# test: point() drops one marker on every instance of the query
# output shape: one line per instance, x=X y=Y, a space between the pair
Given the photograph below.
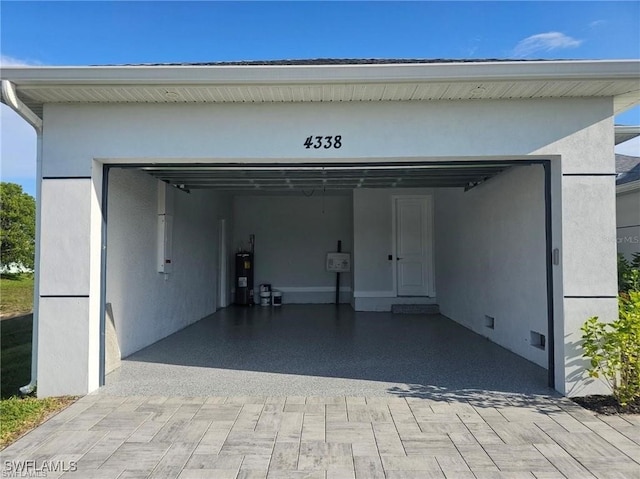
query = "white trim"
x=311 y=289
x=628 y=187
x=374 y=294
x=309 y=74
x=222 y=264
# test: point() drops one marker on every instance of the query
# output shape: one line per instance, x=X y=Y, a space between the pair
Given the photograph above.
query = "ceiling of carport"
x=279 y=177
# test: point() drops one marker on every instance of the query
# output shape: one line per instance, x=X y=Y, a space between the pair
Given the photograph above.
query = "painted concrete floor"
x=486 y=436
x=321 y=350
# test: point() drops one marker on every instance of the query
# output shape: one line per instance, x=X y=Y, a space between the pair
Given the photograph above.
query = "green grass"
x=19 y=415
x=16 y=294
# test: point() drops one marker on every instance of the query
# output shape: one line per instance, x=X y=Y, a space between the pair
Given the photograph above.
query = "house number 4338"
x=325 y=142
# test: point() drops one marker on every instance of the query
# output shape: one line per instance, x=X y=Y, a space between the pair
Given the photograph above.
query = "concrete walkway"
x=454 y=435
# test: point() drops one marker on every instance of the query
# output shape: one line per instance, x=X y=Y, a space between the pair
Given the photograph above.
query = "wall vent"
x=489 y=322
x=538 y=340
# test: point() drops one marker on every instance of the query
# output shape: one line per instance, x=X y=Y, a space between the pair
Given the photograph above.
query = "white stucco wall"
x=148 y=305
x=293 y=236
x=577 y=134
x=581 y=128
x=628 y=222
x=491 y=258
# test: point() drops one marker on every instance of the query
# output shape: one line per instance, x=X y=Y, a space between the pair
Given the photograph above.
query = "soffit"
x=35 y=96
x=328 y=83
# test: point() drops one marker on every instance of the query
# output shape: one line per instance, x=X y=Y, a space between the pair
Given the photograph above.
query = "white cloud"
x=544 y=42
x=7 y=61
x=597 y=23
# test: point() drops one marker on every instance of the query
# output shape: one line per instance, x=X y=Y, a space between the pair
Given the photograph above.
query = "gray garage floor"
x=322 y=350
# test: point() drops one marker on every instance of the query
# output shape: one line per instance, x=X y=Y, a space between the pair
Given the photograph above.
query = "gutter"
x=605 y=70
x=628 y=187
x=10 y=98
x=625 y=133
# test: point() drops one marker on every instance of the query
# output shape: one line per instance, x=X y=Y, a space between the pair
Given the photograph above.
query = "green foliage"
x=629 y=273
x=17 y=226
x=613 y=349
x=18 y=415
x=16 y=293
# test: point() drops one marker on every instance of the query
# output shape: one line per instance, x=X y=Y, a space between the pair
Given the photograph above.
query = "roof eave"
x=292 y=74
x=625 y=133
x=628 y=187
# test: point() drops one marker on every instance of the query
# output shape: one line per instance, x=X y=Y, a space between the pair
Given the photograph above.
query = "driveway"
x=461 y=436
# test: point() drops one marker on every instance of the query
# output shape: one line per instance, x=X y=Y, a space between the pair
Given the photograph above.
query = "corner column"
x=69 y=285
x=589 y=270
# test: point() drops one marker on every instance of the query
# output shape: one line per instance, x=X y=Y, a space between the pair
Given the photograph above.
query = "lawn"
x=18 y=415
x=16 y=294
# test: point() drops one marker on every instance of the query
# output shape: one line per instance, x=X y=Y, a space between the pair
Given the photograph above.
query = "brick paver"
x=107 y=437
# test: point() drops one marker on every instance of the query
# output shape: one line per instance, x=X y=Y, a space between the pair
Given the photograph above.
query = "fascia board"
x=309 y=74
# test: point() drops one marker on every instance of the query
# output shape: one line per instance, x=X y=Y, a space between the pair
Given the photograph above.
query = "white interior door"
x=413 y=246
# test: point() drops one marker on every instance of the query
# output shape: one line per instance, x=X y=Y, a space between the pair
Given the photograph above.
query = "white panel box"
x=339 y=262
x=165 y=240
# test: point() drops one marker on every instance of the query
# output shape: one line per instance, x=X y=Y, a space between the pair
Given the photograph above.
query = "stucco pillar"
x=589 y=269
x=69 y=289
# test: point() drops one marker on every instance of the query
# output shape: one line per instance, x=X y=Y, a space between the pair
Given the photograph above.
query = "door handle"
x=399 y=259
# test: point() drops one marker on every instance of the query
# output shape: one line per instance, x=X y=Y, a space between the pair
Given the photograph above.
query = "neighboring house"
x=14 y=268
x=486 y=187
x=628 y=204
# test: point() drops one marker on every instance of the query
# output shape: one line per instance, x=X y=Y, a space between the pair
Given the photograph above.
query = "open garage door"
x=486 y=224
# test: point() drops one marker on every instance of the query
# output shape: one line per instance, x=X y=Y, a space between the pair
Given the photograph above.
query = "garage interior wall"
x=293 y=235
x=491 y=259
x=148 y=305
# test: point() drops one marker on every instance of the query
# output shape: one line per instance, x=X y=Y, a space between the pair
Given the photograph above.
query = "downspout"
x=10 y=98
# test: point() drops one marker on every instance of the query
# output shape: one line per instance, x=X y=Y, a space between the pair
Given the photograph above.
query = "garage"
x=410 y=228
x=297 y=213
x=482 y=190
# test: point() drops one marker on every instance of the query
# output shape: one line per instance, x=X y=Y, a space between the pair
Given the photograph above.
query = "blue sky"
x=85 y=33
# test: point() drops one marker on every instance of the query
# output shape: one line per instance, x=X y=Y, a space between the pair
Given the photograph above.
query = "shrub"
x=629 y=273
x=614 y=349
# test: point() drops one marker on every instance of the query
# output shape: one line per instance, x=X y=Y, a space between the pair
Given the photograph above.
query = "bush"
x=614 y=349
x=629 y=273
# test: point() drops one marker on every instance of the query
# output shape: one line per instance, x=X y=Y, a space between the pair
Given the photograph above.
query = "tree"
x=17 y=226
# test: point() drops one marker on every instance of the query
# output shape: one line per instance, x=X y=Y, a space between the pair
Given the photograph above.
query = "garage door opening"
x=469 y=239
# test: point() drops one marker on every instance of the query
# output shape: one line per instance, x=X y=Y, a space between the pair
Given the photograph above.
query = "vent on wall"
x=489 y=322
x=538 y=340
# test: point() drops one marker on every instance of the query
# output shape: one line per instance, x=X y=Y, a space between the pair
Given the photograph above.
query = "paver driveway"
x=463 y=434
